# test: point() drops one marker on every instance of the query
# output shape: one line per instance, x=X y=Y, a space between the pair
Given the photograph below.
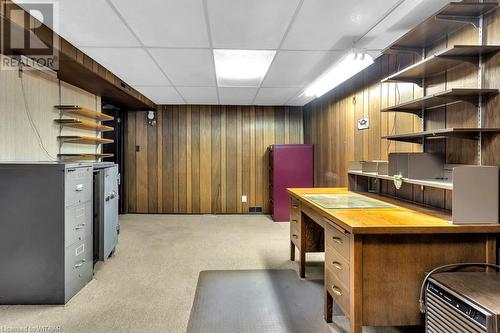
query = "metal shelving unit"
x=451 y=96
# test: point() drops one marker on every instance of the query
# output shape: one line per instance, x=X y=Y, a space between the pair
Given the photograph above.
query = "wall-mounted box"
x=475 y=194
x=417 y=165
x=375 y=166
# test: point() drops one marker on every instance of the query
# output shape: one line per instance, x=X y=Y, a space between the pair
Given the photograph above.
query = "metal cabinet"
x=45 y=231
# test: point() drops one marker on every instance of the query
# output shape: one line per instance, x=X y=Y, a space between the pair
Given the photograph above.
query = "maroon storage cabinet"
x=290 y=166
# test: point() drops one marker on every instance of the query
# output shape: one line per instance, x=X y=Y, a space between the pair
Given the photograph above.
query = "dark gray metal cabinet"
x=45 y=231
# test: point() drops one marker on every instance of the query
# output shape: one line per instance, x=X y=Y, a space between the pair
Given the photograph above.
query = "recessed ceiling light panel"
x=242 y=68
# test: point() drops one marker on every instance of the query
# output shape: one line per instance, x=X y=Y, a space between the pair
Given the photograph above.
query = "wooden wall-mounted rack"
x=424 y=37
x=442 y=61
x=451 y=18
x=83 y=124
x=93 y=123
x=76 y=110
x=86 y=140
x=450 y=96
x=464 y=133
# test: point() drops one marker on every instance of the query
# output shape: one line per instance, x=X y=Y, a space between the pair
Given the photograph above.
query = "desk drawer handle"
x=295 y=236
x=337 y=240
x=80 y=226
x=337 y=291
x=295 y=206
x=294 y=221
x=79 y=188
x=337 y=265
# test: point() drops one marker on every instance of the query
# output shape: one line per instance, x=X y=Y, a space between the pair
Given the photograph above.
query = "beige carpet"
x=149 y=285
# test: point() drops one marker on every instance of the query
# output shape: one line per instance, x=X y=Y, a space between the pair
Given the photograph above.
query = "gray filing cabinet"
x=45 y=231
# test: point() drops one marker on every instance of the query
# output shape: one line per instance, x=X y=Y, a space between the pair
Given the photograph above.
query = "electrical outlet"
x=243 y=198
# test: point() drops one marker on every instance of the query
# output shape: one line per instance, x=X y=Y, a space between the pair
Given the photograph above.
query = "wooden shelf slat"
x=436 y=183
x=82 y=124
x=466 y=133
x=450 y=96
x=441 y=61
x=436 y=28
x=86 y=140
x=84 y=112
x=83 y=156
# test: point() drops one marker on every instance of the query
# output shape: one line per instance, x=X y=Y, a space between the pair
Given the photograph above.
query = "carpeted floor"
x=149 y=285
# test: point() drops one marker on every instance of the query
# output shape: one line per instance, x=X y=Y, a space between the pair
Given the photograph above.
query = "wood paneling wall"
x=330 y=122
x=19 y=140
x=202 y=159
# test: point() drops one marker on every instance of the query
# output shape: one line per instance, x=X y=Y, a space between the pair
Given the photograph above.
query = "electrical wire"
x=30 y=119
x=421 y=300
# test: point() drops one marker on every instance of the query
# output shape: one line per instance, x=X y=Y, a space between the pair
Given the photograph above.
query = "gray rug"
x=257 y=301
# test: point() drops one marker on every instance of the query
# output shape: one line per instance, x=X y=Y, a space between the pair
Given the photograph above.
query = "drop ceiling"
x=164 y=48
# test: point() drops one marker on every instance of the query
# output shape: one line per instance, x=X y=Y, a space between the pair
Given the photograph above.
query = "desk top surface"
x=399 y=218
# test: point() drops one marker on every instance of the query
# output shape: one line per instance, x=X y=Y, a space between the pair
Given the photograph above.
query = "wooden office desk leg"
x=302 y=263
x=491 y=251
x=292 y=251
x=328 y=306
x=356 y=285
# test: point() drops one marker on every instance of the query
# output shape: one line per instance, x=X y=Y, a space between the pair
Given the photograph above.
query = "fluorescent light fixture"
x=242 y=68
x=344 y=69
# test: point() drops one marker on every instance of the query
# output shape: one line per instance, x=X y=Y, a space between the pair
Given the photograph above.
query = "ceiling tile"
x=327 y=24
x=275 y=96
x=161 y=95
x=92 y=23
x=134 y=66
x=167 y=23
x=249 y=24
x=298 y=68
x=187 y=67
x=199 y=95
x=236 y=96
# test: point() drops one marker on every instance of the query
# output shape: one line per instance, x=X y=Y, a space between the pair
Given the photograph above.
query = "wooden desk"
x=376 y=259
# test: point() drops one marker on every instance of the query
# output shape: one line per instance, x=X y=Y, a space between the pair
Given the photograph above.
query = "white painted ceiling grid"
x=164 y=48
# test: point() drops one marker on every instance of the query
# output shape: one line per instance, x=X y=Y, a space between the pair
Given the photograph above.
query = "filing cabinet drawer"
x=78 y=267
x=78 y=223
x=78 y=186
x=339 y=292
x=338 y=240
x=338 y=265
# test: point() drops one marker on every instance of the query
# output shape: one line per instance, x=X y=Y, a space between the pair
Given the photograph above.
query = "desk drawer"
x=338 y=240
x=338 y=265
x=339 y=292
x=294 y=208
x=295 y=233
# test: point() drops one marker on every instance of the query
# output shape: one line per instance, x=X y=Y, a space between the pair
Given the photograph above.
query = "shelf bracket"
x=469 y=59
x=416 y=81
x=407 y=49
x=474 y=100
x=455 y=18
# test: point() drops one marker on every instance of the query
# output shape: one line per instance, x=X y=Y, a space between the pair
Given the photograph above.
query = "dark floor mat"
x=259 y=301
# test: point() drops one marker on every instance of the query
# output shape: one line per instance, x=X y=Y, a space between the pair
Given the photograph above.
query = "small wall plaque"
x=363 y=123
